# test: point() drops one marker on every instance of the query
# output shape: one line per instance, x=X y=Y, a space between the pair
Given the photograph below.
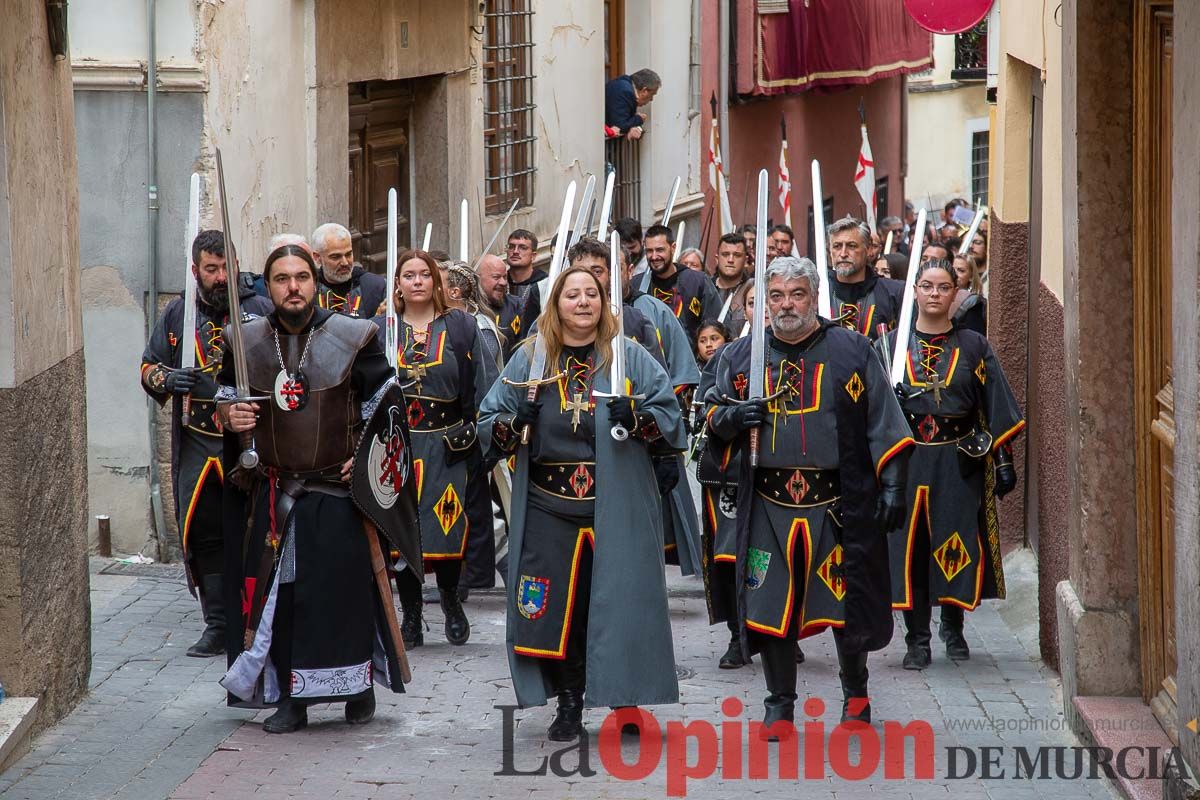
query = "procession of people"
x=338 y=435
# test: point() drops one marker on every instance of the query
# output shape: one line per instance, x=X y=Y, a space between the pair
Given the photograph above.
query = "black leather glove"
x=666 y=472
x=527 y=414
x=181 y=381
x=620 y=410
x=749 y=414
x=1006 y=473
x=889 y=508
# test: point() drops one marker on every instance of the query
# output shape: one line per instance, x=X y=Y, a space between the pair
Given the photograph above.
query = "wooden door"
x=378 y=154
x=614 y=38
x=1154 y=396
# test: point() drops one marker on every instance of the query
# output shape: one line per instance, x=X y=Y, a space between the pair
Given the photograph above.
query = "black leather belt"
x=427 y=414
x=932 y=429
x=575 y=481
x=798 y=487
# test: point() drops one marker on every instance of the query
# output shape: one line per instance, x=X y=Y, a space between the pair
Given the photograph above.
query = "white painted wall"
x=115 y=30
x=940 y=123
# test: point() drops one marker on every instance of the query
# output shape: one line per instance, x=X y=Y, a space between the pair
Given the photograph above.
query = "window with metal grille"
x=979 y=167
x=508 y=139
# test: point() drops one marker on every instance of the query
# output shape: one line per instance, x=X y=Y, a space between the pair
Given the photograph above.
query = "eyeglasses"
x=932 y=288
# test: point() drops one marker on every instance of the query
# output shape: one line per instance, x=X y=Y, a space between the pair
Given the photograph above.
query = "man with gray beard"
x=343 y=286
x=860 y=299
x=828 y=485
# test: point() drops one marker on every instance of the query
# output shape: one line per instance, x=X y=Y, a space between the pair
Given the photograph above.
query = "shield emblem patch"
x=532 y=594
x=757 y=562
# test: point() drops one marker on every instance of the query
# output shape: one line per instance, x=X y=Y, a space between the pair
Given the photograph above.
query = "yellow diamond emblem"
x=830 y=573
x=694 y=306
x=952 y=556
x=981 y=372
x=854 y=387
x=448 y=509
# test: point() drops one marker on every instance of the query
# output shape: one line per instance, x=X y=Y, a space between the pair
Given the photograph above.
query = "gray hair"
x=848 y=224
x=330 y=230
x=790 y=268
x=646 y=79
x=280 y=239
x=695 y=250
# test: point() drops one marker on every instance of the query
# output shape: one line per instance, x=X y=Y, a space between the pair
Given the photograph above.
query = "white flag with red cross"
x=785 y=178
x=864 y=178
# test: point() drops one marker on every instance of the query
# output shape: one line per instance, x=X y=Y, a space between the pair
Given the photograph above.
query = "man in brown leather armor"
x=313 y=623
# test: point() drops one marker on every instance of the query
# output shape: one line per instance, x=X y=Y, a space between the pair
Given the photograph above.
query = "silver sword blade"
x=499 y=228
x=824 y=300
x=606 y=206
x=233 y=329
x=670 y=206
x=904 y=326
x=758 y=323
x=188 y=354
x=390 y=330
x=577 y=231
x=537 y=368
x=980 y=213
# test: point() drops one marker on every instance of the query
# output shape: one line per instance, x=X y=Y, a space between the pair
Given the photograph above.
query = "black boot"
x=292 y=715
x=852 y=669
x=361 y=710
x=778 y=659
x=917 y=636
x=733 y=655
x=951 y=632
x=411 y=628
x=568 y=721
x=212 y=602
x=458 y=629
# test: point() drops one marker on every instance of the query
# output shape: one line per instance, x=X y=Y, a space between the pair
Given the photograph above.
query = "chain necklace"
x=291 y=388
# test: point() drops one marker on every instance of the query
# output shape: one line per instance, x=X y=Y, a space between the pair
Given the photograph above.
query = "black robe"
x=359 y=297
x=847 y=420
x=690 y=295
x=864 y=306
x=196 y=449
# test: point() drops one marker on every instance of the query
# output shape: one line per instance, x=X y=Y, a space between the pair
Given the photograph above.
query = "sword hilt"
x=186 y=414
x=248 y=460
x=620 y=432
x=753 y=448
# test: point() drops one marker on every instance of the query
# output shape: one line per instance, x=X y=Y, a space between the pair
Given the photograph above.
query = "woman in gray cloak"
x=587 y=600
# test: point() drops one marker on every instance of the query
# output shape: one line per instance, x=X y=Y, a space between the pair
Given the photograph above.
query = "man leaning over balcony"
x=622 y=98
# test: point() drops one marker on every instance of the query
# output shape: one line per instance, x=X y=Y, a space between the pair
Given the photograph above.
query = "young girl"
x=709 y=338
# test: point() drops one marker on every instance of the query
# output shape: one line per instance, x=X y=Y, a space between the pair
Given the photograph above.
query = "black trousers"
x=479 y=562
x=447 y=573
x=917 y=619
x=206 y=544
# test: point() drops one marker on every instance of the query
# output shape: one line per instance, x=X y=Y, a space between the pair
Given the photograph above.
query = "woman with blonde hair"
x=586 y=536
x=968 y=309
x=442 y=365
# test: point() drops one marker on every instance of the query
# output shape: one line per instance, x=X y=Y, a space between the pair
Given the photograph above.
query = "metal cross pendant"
x=415 y=373
x=576 y=406
x=935 y=384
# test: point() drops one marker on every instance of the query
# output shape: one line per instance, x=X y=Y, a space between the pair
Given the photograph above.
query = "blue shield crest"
x=531 y=596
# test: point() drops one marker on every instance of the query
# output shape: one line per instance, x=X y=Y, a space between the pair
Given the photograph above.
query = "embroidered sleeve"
x=225 y=394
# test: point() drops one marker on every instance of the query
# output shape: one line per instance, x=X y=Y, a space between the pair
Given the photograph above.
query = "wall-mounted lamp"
x=56 y=18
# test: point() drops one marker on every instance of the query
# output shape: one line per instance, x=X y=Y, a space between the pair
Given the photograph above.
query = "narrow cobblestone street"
x=155 y=725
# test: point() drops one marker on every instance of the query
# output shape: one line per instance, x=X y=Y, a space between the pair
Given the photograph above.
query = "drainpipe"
x=156 y=505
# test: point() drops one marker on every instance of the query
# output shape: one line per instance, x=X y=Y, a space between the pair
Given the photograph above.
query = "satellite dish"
x=947 y=16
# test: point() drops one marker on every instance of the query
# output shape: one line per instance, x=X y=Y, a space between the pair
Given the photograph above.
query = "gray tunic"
x=630 y=659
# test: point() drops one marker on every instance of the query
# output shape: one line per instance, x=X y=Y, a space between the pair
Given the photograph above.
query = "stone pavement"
x=155 y=725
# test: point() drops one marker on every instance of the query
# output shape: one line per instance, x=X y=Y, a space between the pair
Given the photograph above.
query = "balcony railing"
x=625 y=156
x=970 y=54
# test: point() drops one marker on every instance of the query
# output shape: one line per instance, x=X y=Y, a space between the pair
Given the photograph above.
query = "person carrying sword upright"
x=309 y=399
x=196 y=470
x=585 y=570
x=821 y=447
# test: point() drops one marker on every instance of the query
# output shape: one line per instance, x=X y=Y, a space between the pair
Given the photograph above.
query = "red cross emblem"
x=740 y=383
x=293 y=393
x=389 y=467
x=581 y=481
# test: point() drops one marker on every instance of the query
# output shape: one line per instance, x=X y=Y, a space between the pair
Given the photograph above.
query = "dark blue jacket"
x=620 y=104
